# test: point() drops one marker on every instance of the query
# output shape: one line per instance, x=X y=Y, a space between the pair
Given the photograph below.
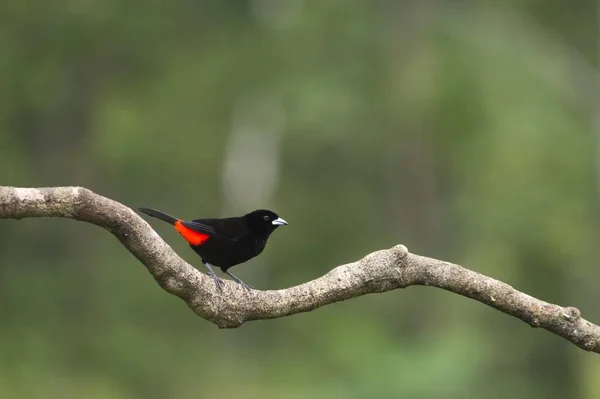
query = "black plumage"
x=225 y=242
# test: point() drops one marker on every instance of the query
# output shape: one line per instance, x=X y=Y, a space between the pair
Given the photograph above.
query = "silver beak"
x=279 y=222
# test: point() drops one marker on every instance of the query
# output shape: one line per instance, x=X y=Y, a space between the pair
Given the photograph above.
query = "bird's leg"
x=237 y=280
x=218 y=281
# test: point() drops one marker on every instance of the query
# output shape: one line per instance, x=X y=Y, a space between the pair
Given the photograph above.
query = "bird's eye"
x=266 y=217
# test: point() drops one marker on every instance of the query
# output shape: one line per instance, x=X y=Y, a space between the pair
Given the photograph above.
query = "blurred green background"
x=467 y=131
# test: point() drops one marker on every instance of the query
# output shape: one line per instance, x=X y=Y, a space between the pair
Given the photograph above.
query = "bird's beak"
x=279 y=222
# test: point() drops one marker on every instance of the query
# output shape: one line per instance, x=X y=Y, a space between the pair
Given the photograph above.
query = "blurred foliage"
x=465 y=130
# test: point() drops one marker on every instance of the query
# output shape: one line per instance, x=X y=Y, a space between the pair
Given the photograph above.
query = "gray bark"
x=379 y=271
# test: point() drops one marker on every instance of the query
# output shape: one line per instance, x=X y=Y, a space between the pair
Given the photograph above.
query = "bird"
x=225 y=242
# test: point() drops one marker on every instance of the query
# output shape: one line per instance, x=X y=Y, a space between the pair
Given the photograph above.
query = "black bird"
x=225 y=242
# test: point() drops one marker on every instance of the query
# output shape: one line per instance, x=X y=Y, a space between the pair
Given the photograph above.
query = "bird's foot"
x=246 y=286
x=218 y=282
x=237 y=280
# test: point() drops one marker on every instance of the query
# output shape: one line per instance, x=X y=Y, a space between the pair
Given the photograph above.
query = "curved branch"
x=377 y=272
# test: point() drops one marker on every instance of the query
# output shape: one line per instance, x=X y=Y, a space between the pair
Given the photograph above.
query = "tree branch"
x=377 y=272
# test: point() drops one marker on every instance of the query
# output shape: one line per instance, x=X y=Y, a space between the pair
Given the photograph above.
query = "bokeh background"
x=468 y=131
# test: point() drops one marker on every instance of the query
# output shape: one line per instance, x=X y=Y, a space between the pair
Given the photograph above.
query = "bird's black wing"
x=200 y=227
x=230 y=229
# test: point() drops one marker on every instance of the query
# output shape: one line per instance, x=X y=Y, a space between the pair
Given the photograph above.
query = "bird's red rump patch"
x=191 y=236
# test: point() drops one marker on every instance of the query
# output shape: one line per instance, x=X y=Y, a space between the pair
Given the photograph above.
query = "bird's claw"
x=218 y=282
x=246 y=286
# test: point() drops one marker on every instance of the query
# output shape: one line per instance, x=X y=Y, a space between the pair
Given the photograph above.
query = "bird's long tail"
x=159 y=215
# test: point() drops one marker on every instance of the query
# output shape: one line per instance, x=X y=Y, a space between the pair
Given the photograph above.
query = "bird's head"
x=264 y=221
